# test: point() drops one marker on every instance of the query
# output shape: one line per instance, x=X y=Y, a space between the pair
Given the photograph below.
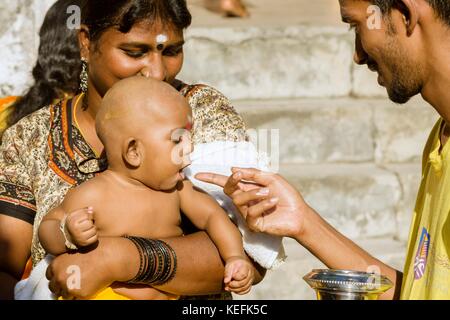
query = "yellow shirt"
x=427 y=269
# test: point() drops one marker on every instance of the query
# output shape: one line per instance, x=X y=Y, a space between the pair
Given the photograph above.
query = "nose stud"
x=144 y=73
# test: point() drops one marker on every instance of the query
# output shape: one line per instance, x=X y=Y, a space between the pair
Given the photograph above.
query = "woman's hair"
x=58 y=67
x=100 y=15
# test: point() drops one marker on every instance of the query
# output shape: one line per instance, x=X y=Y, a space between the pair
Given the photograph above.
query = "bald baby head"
x=135 y=103
x=139 y=111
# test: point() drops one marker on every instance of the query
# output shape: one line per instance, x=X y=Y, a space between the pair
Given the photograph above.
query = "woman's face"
x=152 y=50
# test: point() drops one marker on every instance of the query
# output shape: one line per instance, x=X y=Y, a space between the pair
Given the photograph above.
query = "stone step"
x=344 y=130
x=362 y=201
x=286 y=283
x=291 y=49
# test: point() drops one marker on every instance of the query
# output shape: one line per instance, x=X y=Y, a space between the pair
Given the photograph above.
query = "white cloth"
x=36 y=286
x=219 y=157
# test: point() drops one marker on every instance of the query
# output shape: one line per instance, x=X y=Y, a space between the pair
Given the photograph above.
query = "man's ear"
x=132 y=152
x=84 y=41
x=409 y=10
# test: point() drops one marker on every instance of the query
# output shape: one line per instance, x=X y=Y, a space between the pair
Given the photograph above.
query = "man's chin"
x=398 y=92
x=380 y=81
x=399 y=98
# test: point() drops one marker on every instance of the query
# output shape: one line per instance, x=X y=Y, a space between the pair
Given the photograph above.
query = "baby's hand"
x=239 y=275
x=81 y=228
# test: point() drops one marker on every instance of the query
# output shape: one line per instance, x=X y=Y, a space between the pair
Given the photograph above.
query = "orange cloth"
x=28 y=268
x=5 y=110
x=7 y=101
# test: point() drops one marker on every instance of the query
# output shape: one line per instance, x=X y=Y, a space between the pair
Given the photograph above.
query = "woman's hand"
x=266 y=200
x=82 y=275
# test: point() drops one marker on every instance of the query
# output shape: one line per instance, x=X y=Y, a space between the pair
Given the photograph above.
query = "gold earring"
x=405 y=21
x=84 y=76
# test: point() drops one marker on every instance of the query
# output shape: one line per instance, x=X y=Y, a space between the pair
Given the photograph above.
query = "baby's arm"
x=206 y=214
x=78 y=224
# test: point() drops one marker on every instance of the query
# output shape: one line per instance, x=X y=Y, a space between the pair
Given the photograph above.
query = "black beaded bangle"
x=141 y=258
x=158 y=262
x=149 y=246
x=148 y=262
x=170 y=267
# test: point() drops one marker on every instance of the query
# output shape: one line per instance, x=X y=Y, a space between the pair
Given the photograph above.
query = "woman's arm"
x=17 y=204
x=199 y=272
x=15 y=245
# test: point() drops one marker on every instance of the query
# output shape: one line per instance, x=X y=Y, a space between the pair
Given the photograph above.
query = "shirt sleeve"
x=215 y=119
x=16 y=192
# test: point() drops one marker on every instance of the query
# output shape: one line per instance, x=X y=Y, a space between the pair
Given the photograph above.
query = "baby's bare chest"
x=144 y=214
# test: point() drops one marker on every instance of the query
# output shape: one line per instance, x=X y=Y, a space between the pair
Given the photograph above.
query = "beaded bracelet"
x=67 y=238
x=141 y=259
x=158 y=262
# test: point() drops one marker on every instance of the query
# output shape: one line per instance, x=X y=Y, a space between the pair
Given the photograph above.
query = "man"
x=410 y=51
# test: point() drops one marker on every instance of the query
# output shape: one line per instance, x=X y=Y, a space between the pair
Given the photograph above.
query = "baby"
x=144 y=125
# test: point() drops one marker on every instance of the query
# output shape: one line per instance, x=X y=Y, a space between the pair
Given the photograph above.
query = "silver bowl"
x=347 y=285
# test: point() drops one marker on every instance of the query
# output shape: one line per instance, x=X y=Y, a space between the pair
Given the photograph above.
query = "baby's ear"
x=132 y=152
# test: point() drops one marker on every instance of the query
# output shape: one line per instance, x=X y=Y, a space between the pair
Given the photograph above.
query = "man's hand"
x=290 y=216
x=81 y=228
x=266 y=200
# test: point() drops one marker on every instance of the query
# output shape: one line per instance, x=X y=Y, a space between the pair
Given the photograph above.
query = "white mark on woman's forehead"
x=161 y=39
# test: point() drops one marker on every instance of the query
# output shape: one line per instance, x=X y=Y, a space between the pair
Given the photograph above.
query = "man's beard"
x=405 y=82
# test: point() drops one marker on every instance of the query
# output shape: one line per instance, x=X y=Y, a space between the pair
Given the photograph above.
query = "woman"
x=56 y=75
x=56 y=148
x=57 y=70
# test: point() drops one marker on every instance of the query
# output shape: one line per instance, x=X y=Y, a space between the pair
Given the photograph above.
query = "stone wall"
x=20 y=21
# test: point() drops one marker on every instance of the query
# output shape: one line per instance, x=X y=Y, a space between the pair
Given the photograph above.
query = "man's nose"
x=360 y=56
x=154 y=68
